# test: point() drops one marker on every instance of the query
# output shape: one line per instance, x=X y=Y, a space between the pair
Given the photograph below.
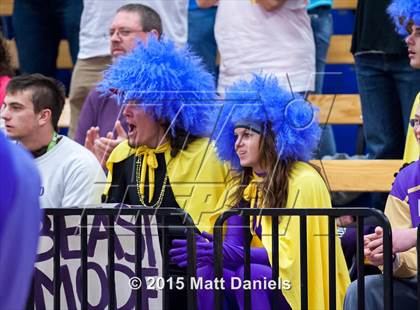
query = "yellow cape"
x=306 y=190
x=412 y=150
x=196 y=176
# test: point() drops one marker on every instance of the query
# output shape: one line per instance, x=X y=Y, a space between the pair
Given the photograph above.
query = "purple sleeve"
x=20 y=222
x=87 y=117
x=233 y=249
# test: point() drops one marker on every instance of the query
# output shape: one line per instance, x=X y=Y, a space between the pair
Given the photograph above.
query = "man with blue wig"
x=20 y=217
x=169 y=105
x=402 y=206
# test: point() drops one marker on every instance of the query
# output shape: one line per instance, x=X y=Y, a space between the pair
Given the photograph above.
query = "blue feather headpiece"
x=262 y=102
x=404 y=12
x=169 y=83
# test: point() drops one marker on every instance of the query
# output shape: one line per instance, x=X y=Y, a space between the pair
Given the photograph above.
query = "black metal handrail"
x=112 y=213
x=359 y=213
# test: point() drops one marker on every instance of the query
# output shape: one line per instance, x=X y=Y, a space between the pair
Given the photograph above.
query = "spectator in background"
x=264 y=36
x=20 y=217
x=95 y=129
x=402 y=203
x=6 y=70
x=94 y=55
x=39 y=25
x=201 y=34
x=70 y=174
x=322 y=26
x=386 y=82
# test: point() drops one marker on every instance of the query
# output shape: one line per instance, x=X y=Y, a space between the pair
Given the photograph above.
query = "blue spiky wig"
x=263 y=103
x=404 y=12
x=170 y=83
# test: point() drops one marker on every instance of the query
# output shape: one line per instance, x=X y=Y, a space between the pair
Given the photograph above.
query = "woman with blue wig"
x=268 y=134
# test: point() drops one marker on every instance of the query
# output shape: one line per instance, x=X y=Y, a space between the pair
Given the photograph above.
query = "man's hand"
x=373 y=247
x=102 y=147
x=402 y=240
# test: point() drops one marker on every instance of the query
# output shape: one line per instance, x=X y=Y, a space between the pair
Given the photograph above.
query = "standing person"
x=94 y=55
x=386 y=81
x=20 y=216
x=322 y=26
x=39 y=25
x=168 y=102
x=267 y=36
x=70 y=174
x=267 y=135
x=201 y=34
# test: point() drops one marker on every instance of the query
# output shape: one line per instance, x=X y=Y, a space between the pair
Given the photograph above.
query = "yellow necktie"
x=149 y=161
x=254 y=197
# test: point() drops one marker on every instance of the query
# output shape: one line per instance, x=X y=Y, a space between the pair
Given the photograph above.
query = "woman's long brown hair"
x=275 y=187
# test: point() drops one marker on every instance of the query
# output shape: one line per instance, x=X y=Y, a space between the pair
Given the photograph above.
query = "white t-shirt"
x=70 y=176
x=98 y=14
x=253 y=40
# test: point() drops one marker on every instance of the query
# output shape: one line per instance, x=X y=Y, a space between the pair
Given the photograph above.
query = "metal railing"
x=112 y=214
x=163 y=213
x=359 y=213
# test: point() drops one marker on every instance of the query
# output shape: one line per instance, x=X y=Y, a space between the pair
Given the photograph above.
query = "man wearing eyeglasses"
x=101 y=126
x=94 y=53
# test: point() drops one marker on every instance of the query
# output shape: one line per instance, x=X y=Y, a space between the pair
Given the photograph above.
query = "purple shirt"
x=99 y=110
x=407 y=186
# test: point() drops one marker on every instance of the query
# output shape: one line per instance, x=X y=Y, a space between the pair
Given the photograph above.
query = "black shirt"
x=124 y=189
x=374 y=29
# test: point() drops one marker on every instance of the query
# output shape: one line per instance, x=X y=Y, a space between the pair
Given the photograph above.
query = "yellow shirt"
x=412 y=151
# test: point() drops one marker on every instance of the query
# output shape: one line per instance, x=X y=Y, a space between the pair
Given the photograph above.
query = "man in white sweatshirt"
x=70 y=174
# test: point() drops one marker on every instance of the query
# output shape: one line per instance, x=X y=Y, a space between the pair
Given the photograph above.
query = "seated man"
x=95 y=129
x=20 y=216
x=169 y=108
x=70 y=174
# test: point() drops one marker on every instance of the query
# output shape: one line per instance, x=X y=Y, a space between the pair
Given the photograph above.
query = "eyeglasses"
x=122 y=32
x=414 y=122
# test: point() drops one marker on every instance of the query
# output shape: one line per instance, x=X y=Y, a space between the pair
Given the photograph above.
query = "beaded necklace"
x=141 y=197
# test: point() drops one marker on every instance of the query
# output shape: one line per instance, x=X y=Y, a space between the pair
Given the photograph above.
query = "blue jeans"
x=404 y=293
x=39 y=25
x=388 y=87
x=201 y=36
x=322 y=27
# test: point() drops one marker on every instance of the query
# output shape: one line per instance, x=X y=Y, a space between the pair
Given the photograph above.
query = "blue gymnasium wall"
x=343 y=82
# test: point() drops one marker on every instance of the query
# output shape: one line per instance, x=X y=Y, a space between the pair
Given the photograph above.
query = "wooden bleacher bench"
x=338 y=109
x=64 y=121
x=345 y=4
x=359 y=175
x=6 y=7
x=63 y=59
x=339 y=50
